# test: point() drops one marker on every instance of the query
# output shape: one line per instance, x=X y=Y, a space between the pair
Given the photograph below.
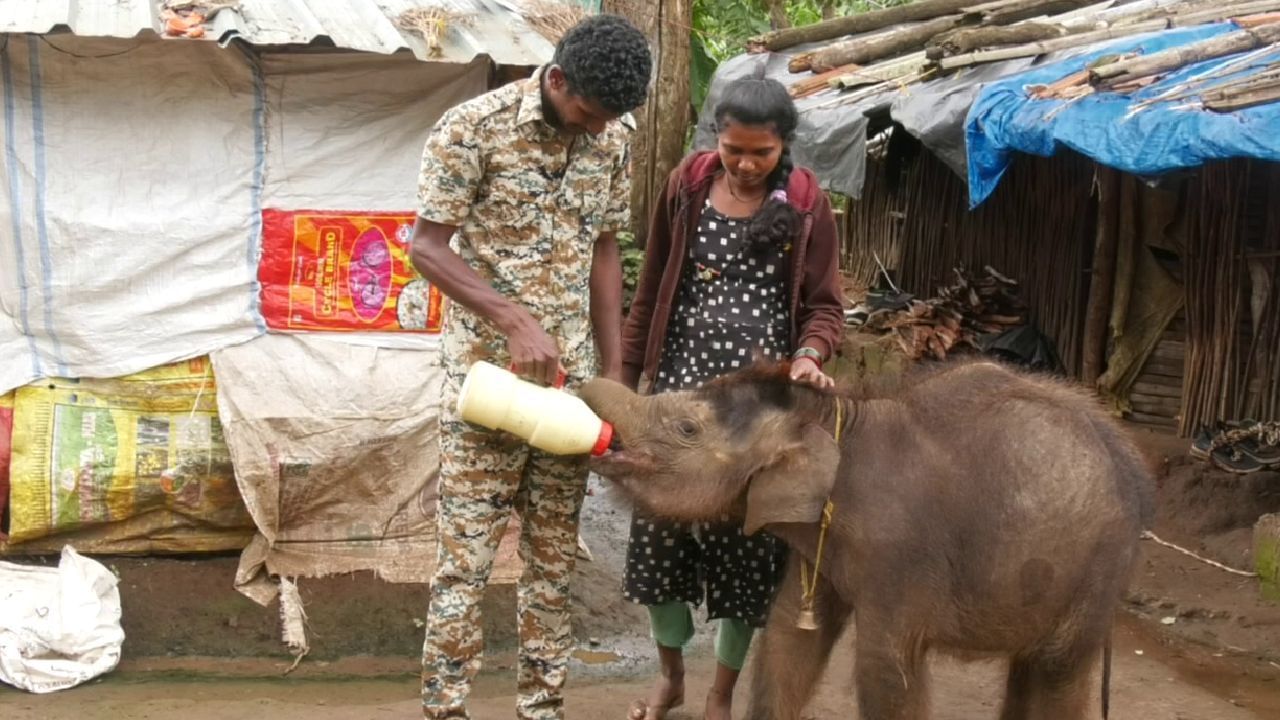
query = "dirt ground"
x=1211 y=513
x=1151 y=682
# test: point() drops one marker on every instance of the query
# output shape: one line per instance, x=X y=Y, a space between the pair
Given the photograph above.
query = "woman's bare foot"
x=667 y=694
x=719 y=705
x=720 y=695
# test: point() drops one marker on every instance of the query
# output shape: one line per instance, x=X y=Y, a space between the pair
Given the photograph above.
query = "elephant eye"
x=687 y=428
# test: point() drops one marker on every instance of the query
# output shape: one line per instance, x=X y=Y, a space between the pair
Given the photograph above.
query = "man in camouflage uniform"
x=521 y=193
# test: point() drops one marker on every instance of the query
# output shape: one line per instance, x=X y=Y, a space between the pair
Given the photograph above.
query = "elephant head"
x=752 y=444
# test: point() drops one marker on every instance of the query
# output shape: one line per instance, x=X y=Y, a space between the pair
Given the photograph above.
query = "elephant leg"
x=891 y=673
x=789 y=661
x=1050 y=688
x=1019 y=688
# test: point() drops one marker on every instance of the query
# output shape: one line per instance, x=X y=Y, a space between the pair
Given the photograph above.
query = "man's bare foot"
x=719 y=705
x=667 y=694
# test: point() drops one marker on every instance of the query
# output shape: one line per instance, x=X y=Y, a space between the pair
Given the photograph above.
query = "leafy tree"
x=720 y=31
x=723 y=26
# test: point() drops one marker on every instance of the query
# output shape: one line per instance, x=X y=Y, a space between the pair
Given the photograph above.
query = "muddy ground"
x=1193 y=642
x=1211 y=513
x=1151 y=682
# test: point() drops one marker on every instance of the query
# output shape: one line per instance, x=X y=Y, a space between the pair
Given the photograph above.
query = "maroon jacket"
x=817 y=312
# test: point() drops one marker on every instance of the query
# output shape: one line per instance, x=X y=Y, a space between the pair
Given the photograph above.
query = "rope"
x=1148 y=535
x=1265 y=433
x=809 y=586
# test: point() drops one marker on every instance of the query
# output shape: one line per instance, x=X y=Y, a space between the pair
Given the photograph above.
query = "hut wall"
x=1217 y=359
x=1156 y=396
x=1038 y=228
x=1233 y=309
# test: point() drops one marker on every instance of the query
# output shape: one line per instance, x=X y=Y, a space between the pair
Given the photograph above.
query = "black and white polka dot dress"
x=732 y=302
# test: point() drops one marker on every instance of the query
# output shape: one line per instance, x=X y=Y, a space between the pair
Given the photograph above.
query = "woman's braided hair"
x=764 y=102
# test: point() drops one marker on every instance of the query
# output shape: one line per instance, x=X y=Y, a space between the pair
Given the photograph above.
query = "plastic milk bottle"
x=549 y=419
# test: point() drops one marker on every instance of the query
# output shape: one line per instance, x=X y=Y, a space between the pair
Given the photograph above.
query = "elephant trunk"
x=614 y=402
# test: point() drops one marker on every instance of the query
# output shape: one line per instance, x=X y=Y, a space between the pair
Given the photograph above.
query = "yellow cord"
x=807 y=587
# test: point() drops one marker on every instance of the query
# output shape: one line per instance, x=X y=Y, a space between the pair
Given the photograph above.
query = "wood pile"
x=1220 y=90
x=885 y=49
x=961 y=312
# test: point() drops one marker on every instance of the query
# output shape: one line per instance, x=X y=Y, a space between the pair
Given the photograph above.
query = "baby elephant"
x=974 y=510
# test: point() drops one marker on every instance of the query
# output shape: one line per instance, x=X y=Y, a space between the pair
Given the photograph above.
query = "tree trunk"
x=1007 y=13
x=1174 y=58
x=828 y=9
x=778 y=15
x=1048 y=46
x=969 y=39
x=658 y=143
x=855 y=24
x=1102 y=278
x=861 y=51
x=992 y=13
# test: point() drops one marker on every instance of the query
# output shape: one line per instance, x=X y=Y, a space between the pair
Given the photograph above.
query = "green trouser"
x=672 y=625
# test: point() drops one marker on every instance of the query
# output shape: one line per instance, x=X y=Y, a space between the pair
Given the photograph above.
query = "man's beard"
x=549 y=114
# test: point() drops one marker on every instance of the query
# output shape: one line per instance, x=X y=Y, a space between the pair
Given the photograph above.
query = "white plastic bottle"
x=549 y=419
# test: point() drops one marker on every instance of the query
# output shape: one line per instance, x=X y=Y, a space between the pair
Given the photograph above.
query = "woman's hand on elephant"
x=806 y=370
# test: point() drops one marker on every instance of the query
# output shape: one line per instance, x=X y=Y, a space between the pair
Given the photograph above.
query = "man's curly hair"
x=606 y=59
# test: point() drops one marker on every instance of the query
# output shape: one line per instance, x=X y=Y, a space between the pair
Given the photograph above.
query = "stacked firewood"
x=904 y=44
x=956 y=317
x=1222 y=90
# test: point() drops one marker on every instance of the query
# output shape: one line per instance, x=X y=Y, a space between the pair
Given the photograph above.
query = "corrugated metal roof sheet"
x=495 y=28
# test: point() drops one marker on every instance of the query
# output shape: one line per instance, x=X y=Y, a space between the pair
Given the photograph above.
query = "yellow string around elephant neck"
x=809 y=586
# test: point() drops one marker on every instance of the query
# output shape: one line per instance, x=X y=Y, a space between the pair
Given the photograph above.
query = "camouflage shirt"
x=529 y=206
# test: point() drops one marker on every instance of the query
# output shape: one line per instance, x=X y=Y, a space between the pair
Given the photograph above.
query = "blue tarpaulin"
x=1155 y=140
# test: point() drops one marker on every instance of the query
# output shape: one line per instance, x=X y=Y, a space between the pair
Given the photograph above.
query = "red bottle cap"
x=606 y=437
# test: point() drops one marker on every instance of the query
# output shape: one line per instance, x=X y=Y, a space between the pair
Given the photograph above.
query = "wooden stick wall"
x=1038 y=228
x=1233 y=333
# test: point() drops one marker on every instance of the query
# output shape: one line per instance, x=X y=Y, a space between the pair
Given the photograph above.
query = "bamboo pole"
x=1173 y=58
x=859 y=51
x=1102 y=278
x=1048 y=46
x=1269 y=363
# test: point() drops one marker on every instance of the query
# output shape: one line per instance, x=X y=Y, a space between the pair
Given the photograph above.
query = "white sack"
x=347 y=130
x=129 y=204
x=335 y=454
x=59 y=627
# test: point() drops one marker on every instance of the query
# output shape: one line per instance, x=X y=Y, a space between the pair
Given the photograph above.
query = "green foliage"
x=722 y=27
x=632 y=263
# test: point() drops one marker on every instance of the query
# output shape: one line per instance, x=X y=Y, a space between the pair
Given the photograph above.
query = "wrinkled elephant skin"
x=978 y=511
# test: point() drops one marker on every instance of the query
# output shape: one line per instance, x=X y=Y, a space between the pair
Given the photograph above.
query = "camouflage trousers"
x=484 y=476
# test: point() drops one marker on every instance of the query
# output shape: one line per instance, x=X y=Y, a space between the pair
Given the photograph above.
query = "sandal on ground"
x=642 y=710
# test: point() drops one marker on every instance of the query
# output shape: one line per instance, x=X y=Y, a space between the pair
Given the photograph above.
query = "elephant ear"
x=796 y=484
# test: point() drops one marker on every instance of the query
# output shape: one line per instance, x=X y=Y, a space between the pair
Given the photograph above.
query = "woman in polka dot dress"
x=741 y=263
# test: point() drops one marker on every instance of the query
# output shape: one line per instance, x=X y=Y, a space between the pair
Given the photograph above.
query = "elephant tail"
x=1106 y=678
